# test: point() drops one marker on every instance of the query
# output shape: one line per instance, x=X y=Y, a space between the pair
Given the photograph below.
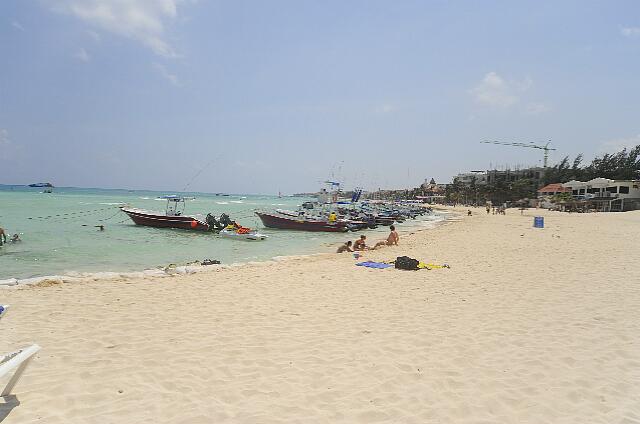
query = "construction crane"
x=544 y=147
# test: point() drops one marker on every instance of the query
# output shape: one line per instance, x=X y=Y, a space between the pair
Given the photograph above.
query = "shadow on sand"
x=7 y=404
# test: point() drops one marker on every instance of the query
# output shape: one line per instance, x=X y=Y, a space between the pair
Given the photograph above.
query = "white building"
x=608 y=195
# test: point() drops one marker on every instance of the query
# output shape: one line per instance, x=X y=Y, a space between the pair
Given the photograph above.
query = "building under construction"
x=495 y=176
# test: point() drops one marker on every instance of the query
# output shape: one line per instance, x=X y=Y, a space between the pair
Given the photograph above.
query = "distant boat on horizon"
x=41 y=185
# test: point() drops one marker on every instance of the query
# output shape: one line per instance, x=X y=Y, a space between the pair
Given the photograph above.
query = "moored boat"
x=172 y=218
x=301 y=223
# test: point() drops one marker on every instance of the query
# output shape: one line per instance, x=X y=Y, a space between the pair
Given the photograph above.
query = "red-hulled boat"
x=172 y=218
x=291 y=222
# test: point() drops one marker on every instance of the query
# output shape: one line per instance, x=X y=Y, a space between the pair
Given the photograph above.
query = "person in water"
x=3 y=236
x=391 y=240
x=15 y=238
x=361 y=243
x=345 y=247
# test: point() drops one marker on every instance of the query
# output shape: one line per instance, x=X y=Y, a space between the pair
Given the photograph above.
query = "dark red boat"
x=172 y=218
x=289 y=222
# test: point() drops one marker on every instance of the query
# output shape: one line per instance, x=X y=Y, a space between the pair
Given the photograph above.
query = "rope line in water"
x=71 y=214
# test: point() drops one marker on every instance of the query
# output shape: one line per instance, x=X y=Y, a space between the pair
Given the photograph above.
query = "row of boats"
x=311 y=216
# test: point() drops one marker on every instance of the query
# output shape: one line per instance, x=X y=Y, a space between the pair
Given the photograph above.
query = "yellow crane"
x=544 y=147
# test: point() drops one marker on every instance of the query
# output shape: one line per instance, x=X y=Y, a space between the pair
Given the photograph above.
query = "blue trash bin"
x=538 y=222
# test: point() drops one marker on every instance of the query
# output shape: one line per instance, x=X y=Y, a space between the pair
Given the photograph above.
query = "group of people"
x=500 y=210
x=361 y=243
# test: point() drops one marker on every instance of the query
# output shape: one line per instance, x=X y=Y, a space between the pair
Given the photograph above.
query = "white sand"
x=528 y=326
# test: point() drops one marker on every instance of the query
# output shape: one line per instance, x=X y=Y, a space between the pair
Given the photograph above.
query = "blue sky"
x=272 y=96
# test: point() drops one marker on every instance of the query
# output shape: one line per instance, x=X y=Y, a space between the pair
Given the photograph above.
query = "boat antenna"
x=200 y=171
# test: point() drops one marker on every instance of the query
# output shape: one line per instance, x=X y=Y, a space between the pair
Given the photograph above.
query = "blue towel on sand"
x=370 y=264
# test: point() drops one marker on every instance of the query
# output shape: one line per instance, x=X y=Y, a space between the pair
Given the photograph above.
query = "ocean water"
x=59 y=236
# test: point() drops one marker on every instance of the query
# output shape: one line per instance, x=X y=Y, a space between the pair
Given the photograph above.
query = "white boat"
x=252 y=235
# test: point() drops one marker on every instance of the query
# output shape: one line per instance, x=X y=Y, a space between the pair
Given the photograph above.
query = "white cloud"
x=162 y=70
x=630 y=31
x=535 y=108
x=17 y=25
x=94 y=35
x=615 y=145
x=5 y=144
x=386 y=108
x=140 y=20
x=495 y=91
x=82 y=55
x=4 y=137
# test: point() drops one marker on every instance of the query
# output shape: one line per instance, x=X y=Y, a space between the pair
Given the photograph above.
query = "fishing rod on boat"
x=197 y=174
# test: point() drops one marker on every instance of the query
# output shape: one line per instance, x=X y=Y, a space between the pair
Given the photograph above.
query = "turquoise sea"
x=59 y=236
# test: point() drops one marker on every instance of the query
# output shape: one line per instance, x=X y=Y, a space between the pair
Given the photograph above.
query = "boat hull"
x=150 y=219
x=292 y=223
x=250 y=236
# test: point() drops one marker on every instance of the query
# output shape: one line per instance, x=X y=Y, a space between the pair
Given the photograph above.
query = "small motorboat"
x=242 y=234
x=286 y=220
x=172 y=218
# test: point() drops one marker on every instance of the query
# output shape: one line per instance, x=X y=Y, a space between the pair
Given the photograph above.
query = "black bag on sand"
x=407 y=263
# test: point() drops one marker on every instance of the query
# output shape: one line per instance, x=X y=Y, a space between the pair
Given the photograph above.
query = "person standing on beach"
x=391 y=240
x=332 y=217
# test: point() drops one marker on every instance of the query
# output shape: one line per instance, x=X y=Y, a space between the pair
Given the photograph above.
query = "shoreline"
x=528 y=325
x=177 y=270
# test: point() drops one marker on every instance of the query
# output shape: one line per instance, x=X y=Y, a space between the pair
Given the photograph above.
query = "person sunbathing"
x=361 y=243
x=391 y=240
x=345 y=247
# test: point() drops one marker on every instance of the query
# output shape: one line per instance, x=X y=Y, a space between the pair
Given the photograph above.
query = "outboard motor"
x=224 y=220
x=212 y=222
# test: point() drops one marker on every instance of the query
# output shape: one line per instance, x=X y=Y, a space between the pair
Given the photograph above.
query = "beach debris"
x=211 y=262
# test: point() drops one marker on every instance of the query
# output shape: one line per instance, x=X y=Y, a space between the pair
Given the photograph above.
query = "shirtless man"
x=391 y=240
x=360 y=244
x=3 y=236
x=345 y=247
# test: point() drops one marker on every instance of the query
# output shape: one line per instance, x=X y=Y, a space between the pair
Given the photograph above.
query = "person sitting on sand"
x=360 y=244
x=391 y=240
x=345 y=247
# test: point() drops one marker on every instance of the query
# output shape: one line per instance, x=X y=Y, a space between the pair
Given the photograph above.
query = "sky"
x=268 y=96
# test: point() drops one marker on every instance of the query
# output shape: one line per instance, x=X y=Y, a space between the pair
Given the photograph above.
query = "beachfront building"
x=552 y=190
x=546 y=193
x=495 y=176
x=431 y=192
x=468 y=178
x=535 y=174
x=607 y=195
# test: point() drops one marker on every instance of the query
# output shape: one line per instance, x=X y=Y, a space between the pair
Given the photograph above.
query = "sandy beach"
x=527 y=326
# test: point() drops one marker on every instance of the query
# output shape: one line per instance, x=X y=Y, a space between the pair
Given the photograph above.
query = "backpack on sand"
x=407 y=263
